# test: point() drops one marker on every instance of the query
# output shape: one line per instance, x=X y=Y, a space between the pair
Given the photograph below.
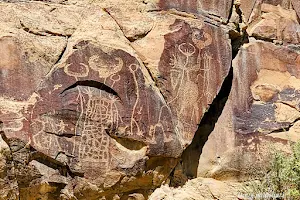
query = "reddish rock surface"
x=220 y=8
x=252 y=8
x=261 y=113
x=102 y=117
x=276 y=23
x=104 y=99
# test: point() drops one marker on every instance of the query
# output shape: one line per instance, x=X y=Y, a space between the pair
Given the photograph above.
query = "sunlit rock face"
x=260 y=116
x=220 y=8
x=262 y=111
x=94 y=107
x=102 y=99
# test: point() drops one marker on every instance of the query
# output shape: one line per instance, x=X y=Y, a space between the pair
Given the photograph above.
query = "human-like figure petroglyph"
x=186 y=90
x=100 y=113
x=189 y=74
x=206 y=77
x=201 y=40
x=133 y=123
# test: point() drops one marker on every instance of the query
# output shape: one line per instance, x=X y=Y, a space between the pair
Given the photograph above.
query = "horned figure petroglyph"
x=205 y=62
x=186 y=90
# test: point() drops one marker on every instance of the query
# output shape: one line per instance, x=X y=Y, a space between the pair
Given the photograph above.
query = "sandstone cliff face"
x=111 y=99
x=99 y=99
x=262 y=111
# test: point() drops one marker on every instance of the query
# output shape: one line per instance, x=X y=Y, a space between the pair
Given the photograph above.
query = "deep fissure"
x=190 y=157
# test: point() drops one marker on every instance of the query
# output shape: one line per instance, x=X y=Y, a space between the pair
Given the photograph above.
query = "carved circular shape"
x=80 y=70
x=187 y=49
x=133 y=67
x=115 y=78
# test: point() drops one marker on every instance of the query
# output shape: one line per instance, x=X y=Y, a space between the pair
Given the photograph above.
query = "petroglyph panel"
x=100 y=94
x=191 y=73
x=77 y=92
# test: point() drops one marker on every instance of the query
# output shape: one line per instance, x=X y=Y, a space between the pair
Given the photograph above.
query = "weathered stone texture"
x=220 y=8
x=110 y=95
x=261 y=113
x=99 y=99
x=252 y=8
x=201 y=189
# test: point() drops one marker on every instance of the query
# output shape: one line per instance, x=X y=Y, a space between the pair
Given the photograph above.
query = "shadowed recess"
x=190 y=157
x=94 y=84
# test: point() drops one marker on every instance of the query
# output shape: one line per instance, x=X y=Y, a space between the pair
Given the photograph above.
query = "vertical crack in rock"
x=190 y=157
x=63 y=51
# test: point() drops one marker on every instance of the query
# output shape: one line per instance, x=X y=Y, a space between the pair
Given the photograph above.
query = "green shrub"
x=282 y=178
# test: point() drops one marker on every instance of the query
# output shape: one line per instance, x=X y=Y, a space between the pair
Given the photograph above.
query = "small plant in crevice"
x=281 y=181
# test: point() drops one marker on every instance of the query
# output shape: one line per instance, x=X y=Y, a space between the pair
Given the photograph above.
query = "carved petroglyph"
x=186 y=90
x=46 y=141
x=158 y=130
x=115 y=78
x=97 y=112
x=133 y=123
x=80 y=70
x=94 y=144
x=205 y=61
x=206 y=77
x=100 y=113
x=105 y=70
x=197 y=39
x=189 y=81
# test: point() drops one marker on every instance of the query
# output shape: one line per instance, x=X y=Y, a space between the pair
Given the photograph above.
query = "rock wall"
x=99 y=99
x=111 y=99
x=262 y=111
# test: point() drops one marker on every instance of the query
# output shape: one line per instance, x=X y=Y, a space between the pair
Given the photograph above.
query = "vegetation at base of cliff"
x=282 y=180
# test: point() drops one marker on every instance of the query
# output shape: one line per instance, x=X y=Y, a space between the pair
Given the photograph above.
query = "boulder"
x=201 y=189
x=276 y=24
x=251 y=9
